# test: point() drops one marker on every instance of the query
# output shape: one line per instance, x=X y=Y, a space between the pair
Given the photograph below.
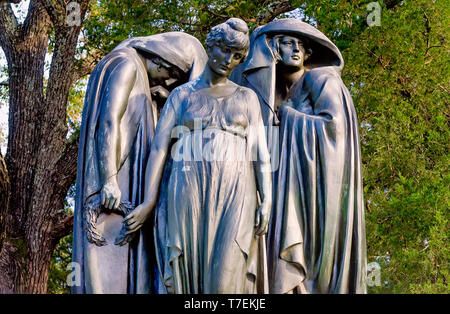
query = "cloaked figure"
x=118 y=125
x=316 y=239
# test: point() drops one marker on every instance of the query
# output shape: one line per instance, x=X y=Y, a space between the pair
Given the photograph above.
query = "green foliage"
x=109 y=22
x=75 y=106
x=398 y=75
x=62 y=256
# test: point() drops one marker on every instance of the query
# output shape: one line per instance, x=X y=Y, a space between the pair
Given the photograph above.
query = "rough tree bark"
x=4 y=198
x=40 y=162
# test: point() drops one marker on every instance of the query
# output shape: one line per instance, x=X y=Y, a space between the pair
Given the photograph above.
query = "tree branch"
x=391 y=3
x=9 y=28
x=61 y=78
x=428 y=30
x=56 y=11
x=379 y=58
x=36 y=21
x=273 y=10
x=224 y=16
x=63 y=228
x=85 y=66
x=65 y=170
x=64 y=174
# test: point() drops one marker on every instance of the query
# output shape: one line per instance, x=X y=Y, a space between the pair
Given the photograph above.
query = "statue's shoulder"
x=120 y=59
x=321 y=75
x=184 y=89
x=246 y=91
x=179 y=94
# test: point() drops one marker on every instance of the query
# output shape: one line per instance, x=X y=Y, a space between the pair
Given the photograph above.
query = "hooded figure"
x=118 y=123
x=316 y=240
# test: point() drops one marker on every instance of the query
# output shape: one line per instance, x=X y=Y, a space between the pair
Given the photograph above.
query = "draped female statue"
x=209 y=225
x=316 y=239
x=118 y=122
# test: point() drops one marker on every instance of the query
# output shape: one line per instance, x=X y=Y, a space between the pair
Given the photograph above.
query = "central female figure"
x=209 y=218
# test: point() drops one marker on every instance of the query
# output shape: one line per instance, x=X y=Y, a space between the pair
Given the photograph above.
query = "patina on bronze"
x=209 y=224
x=118 y=123
x=199 y=193
x=316 y=241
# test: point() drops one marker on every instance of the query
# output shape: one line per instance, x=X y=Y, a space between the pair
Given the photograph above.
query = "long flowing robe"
x=205 y=234
x=316 y=239
x=130 y=268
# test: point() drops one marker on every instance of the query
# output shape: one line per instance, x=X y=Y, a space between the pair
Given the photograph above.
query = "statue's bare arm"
x=113 y=104
x=262 y=166
x=155 y=167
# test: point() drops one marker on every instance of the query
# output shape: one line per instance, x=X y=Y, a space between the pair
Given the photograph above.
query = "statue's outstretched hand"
x=111 y=194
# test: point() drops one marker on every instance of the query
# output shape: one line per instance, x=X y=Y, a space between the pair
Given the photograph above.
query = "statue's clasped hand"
x=159 y=92
x=111 y=194
x=133 y=222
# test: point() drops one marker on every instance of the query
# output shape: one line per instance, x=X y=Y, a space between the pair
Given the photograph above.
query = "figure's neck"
x=210 y=78
x=288 y=76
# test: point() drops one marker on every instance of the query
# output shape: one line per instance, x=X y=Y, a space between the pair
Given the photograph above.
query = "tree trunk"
x=4 y=198
x=28 y=245
x=41 y=164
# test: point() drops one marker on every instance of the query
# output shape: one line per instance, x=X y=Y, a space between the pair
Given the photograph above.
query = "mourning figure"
x=118 y=123
x=215 y=207
x=316 y=239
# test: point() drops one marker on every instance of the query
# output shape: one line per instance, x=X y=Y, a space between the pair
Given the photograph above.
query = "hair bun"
x=237 y=24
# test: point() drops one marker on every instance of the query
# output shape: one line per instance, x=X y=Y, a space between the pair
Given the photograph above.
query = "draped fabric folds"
x=317 y=235
x=130 y=268
x=204 y=224
x=316 y=239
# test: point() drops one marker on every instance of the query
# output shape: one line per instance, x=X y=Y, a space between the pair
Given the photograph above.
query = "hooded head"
x=260 y=68
x=322 y=52
x=177 y=48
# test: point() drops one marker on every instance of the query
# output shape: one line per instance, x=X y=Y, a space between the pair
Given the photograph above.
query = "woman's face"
x=157 y=73
x=291 y=51
x=223 y=59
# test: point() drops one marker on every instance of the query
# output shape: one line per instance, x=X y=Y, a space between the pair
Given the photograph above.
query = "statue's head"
x=160 y=71
x=228 y=45
x=290 y=50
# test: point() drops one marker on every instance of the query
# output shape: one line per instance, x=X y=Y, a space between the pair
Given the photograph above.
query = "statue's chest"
x=202 y=111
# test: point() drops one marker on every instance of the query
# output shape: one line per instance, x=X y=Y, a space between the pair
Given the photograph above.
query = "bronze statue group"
x=236 y=171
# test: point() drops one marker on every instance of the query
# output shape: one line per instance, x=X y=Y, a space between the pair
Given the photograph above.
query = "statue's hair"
x=275 y=45
x=233 y=33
